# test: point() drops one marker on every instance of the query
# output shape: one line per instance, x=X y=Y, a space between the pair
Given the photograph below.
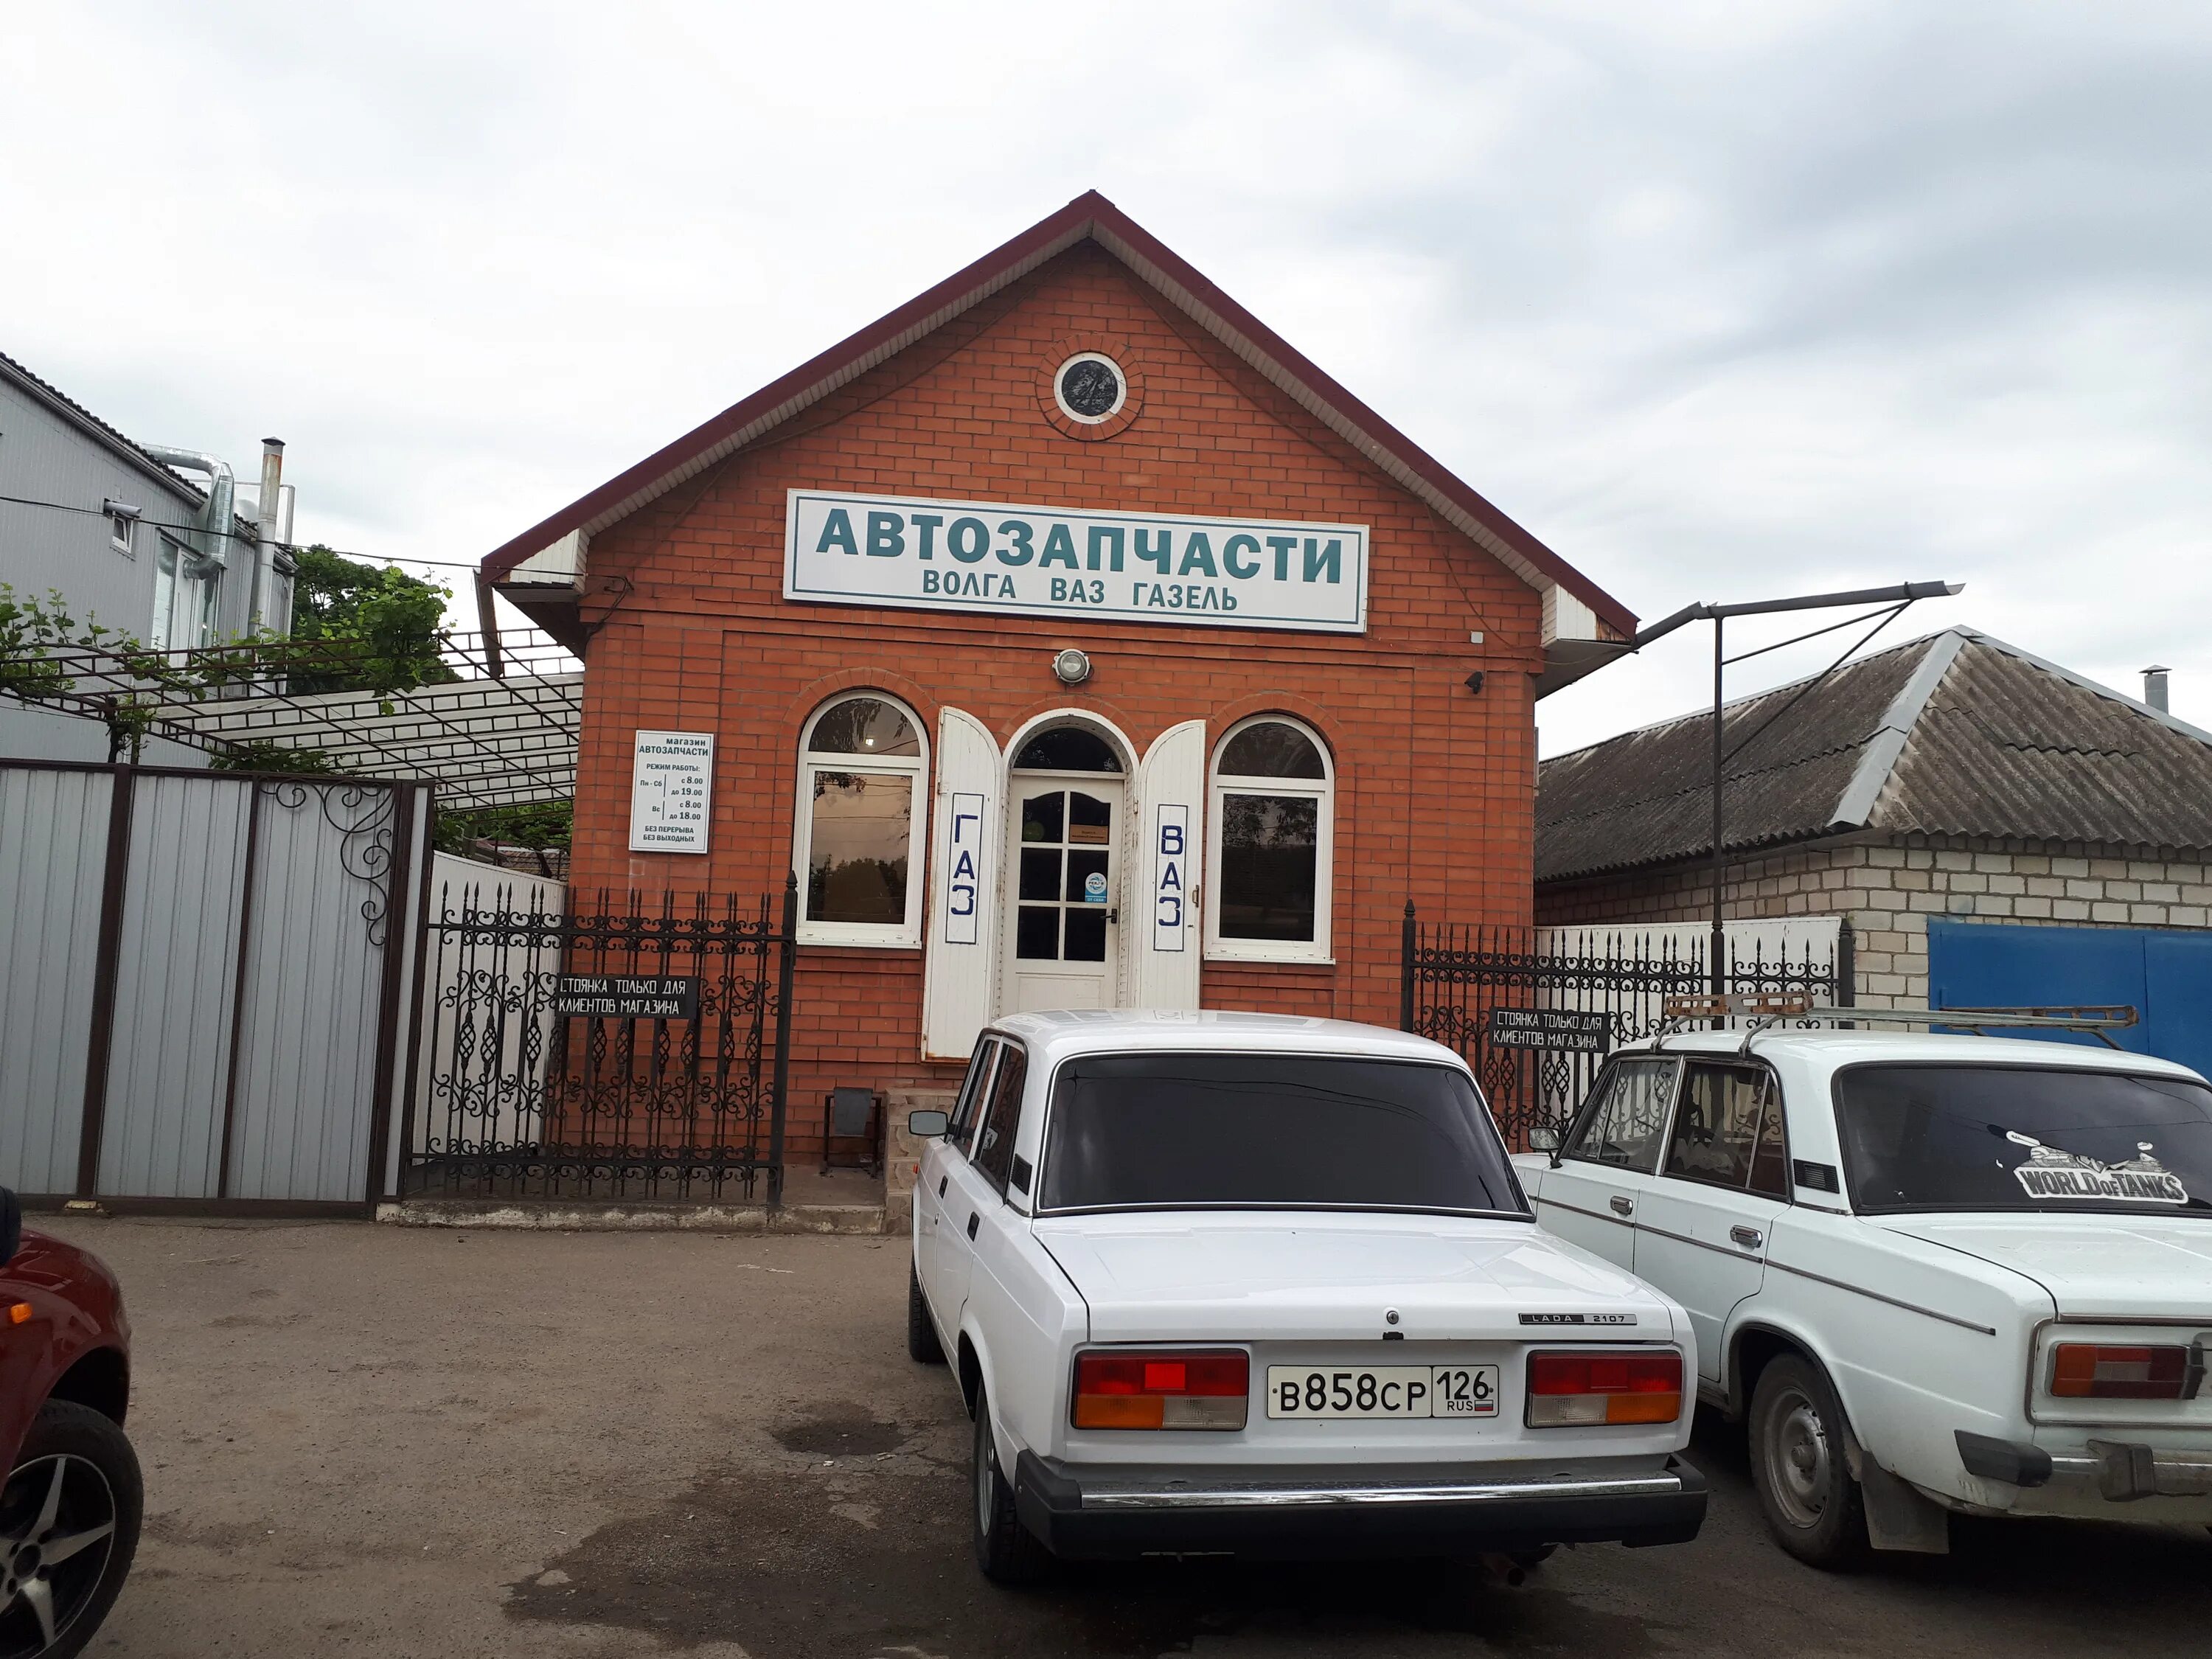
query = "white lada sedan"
x=1244 y=1283
x=1932 y=1273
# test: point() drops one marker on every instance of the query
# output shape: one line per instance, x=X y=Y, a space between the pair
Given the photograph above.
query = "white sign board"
x=964 y=882
x=995 y=558
x=671 y=780
x=1172 y=877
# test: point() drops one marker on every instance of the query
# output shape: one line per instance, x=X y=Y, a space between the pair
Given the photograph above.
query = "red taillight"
x=2091 y=1371
x=1568 y=1389
x=1206 y=1389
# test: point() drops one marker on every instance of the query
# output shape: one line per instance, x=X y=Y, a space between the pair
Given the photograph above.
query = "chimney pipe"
x=2155 y=686
x=272 y=589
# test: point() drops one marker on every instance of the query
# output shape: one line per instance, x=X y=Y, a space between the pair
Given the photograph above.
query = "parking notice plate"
x=1316 y=1391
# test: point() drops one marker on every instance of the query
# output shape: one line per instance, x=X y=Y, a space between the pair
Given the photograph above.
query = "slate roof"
x=1958 y=733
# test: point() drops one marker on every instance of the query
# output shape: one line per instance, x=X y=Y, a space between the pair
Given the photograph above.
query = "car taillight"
x=2092 y=1370
x=1174 y=1389
x=1568 y=1389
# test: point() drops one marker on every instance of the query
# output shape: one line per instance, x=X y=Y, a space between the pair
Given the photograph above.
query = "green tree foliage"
x=259 y=755
x=389 y=618
x=542 y=826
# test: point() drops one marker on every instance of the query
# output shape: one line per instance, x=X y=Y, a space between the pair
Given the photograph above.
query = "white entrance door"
x=1063 y=887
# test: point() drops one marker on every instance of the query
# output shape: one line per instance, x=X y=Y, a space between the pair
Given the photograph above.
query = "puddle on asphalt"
x=814 y=1557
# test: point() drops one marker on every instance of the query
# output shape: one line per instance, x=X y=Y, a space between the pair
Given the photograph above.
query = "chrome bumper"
x=1181 y=1495
x=1099 y=1512
x=2119 y=1471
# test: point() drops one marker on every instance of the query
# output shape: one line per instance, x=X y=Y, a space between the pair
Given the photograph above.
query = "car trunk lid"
x=1229 y=1275
x=2093 y=1265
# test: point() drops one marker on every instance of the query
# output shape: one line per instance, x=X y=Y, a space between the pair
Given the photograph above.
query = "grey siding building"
x=127 y=542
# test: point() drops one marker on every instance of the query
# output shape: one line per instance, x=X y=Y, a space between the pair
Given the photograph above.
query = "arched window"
x=861 y=762
x=1271 y=832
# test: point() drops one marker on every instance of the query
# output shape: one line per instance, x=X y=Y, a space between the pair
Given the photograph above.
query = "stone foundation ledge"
x=599 y=1217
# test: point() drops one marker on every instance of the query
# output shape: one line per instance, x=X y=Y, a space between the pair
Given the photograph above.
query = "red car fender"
x=75 y=1306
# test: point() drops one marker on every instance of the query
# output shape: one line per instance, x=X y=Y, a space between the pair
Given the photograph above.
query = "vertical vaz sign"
x=1001 y=559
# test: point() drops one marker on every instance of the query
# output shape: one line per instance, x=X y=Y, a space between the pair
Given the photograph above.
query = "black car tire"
x=1007 y=1551
x=1813 y=1507
x=921 y=1343
x=99 y=1487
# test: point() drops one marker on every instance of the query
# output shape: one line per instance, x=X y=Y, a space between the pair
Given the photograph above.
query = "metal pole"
x=1406 y=970
x=1719 y=931
x=787 y=949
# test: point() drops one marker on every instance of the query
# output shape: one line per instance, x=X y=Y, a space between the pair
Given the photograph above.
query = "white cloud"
x=1719 y=300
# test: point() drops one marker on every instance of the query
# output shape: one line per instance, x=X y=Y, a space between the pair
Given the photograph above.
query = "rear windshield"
x=2020 y=1138
x=1272 y=1132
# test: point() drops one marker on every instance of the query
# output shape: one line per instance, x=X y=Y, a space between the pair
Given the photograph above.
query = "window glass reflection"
x=857 y=857
x=1268 y=848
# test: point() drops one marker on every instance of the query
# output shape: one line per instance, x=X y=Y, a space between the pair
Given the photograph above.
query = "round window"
x=1090 y=388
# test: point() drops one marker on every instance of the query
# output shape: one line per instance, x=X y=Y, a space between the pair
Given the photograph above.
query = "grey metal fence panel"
x=53 y=842
x=161 y=1132
x=307 y=1043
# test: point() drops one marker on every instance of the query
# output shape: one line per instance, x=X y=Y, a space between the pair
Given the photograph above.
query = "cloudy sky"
x=1721 y=301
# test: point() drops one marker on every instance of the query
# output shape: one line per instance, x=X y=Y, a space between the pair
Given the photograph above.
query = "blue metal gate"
x=2164 y=973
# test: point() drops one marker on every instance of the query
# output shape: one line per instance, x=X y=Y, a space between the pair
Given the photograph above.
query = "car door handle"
x=1750 y=1237
x=1623 y=1205
x=941 y=1179
x=974 y=1221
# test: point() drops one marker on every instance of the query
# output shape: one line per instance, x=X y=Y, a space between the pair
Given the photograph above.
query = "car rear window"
x=1272 y=1132
x=2024 y=1138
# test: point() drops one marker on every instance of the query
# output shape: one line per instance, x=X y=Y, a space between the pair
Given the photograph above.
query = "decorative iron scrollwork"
x=366 y=816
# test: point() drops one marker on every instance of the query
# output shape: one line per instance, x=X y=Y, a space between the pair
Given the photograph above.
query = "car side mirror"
x=1545 y=1138
x=11 y=1225
x=927 y=1125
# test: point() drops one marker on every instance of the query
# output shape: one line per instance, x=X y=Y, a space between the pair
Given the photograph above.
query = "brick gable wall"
x=1435 y=784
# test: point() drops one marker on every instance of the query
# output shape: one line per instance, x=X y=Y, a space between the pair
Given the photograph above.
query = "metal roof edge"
x=2084 y=682
x=97 y=430
x=1855 y=806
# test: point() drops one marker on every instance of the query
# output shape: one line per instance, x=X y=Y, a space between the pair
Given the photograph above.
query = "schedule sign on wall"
x=994 y=558
x=672 y=779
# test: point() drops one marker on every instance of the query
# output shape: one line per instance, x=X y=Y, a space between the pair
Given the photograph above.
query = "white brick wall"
x=1887 y=889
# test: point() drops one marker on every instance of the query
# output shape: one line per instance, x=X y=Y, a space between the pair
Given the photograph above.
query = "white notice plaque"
x=670 y=782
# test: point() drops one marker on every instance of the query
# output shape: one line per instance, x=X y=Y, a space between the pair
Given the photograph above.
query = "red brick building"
x=1308 y=657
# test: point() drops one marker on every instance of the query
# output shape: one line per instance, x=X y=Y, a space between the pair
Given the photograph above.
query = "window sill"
x=1238 y=959
x=806 y=942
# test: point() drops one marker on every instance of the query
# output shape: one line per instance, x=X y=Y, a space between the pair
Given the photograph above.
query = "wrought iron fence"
x=1454 y=976
x=637 y=1051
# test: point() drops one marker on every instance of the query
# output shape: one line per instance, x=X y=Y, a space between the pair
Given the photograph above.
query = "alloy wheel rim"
x=56 y=1527
x=985 y=1473
x=1797 y=1459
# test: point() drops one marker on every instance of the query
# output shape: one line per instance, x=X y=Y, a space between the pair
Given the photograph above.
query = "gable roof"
x=1958 y=733
x=1090 y=217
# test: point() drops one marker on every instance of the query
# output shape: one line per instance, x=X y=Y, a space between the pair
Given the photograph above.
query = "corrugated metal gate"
x=203 y=982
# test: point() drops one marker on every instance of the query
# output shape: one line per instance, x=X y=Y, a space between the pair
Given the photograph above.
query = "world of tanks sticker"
x=2050 y=1174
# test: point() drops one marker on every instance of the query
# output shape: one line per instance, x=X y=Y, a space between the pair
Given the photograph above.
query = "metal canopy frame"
x=504 y=734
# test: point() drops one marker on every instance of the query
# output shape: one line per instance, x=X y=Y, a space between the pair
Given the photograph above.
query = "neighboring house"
x=110 y=525
x=1997 y=829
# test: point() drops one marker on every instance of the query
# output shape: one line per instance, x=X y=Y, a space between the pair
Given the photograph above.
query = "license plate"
x=1315 y=1391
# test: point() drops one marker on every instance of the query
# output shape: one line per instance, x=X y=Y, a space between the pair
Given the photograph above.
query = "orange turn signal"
x=18 y=1313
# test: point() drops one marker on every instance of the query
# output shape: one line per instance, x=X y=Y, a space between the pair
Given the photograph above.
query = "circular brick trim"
x=1132 y=383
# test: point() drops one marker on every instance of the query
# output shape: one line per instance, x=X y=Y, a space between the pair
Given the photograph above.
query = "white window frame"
x=1321 y=789
x=123 y=533
x=907 y=934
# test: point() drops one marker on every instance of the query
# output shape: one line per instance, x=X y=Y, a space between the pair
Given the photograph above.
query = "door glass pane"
x=1089 y=820
x=1036 y=933
x=1086 y=935
x=995 y=1146
x=1040 y=874
x=1067 y=749
x=1268 y=844
x=857 y=854
x=1625 y=1126
x=1716 y=1124
x=1040 y=817
x=1083 y=865
x=1770 y=1162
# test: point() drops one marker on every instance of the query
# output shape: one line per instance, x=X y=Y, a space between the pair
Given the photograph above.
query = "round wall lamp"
x=1071 y=667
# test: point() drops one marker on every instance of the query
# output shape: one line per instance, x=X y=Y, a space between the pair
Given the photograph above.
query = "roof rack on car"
x=1766 y=1009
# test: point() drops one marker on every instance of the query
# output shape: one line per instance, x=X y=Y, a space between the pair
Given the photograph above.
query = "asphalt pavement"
x=368 y=1440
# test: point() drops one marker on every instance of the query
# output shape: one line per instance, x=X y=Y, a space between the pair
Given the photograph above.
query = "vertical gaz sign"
x=672 y=779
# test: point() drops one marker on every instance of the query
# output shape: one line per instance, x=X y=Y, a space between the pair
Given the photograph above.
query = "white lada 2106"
x=1252 y=1285
x=1932 y=1273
